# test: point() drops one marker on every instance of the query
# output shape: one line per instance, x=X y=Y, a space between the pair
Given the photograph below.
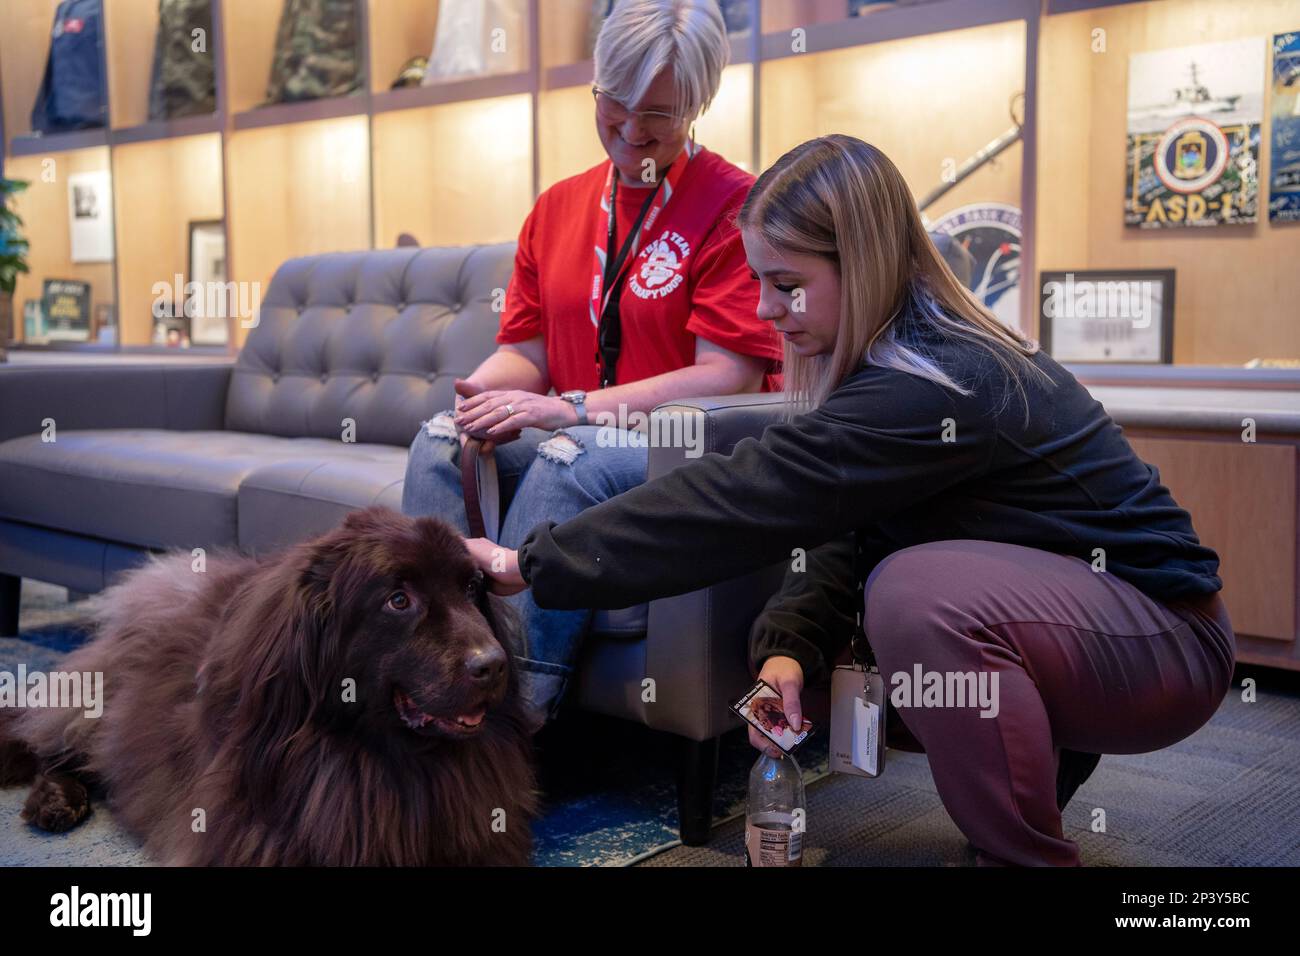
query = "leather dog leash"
x=469 y=456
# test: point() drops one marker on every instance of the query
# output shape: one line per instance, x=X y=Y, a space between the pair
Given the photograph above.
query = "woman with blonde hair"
x=966 y=507
x=629 y=289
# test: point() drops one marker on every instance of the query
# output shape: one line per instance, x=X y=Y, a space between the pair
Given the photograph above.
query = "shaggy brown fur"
x=226 y=692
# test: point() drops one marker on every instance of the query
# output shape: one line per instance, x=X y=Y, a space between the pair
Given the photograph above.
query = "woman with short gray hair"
x=630 y=289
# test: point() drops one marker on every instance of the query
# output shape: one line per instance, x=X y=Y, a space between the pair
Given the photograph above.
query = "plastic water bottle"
x=774 y=813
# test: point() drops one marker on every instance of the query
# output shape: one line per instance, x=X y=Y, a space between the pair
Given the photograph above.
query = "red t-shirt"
x=693 y=237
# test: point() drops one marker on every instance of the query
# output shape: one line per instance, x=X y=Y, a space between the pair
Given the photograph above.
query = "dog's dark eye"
x=474 y=590
x=398 y=601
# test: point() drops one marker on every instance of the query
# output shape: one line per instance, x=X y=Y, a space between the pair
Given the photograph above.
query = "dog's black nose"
x=486 y=665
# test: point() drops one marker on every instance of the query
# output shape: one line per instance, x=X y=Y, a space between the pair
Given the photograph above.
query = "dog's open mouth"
x=462 y=725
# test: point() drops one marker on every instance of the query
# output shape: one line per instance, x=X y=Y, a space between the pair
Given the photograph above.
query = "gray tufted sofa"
x=251 y=456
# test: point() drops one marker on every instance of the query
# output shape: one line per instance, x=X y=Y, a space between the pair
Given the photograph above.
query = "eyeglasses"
x=656 y=122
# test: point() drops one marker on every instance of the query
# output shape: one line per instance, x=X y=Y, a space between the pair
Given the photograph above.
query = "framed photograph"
x=207 y=267
x=1108 y=315
x=90 y=213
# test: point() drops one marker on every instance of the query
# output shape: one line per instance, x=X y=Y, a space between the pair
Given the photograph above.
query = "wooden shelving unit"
x=463 y=160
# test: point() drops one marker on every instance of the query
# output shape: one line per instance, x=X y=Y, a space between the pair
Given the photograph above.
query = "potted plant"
x=13 y=258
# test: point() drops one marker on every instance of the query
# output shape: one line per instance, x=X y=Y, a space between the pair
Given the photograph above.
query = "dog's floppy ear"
x=268 y=669
x=332 y=575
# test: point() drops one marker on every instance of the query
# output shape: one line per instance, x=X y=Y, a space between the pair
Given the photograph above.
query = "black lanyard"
x=862 y=652
x=609 y=333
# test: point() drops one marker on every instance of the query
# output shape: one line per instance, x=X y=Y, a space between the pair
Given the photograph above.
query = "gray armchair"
x=695 y=647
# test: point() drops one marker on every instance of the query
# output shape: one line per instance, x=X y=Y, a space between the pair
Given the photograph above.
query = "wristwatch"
x=578 y=399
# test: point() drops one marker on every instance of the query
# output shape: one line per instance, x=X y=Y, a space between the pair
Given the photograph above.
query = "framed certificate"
x=90 y=212
x=1109 y=315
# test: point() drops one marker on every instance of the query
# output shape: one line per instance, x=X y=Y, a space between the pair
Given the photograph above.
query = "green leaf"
x=12 y=245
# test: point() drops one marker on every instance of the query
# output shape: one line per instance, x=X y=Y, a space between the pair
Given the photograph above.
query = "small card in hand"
x=761 y=708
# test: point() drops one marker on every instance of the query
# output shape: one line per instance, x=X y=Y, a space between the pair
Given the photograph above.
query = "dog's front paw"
x=57 y=803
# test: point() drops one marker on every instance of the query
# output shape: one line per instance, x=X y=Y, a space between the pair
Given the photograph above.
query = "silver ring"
x=510 y=411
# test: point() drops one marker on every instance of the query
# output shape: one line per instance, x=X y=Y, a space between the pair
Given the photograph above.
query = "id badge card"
x=857 y=721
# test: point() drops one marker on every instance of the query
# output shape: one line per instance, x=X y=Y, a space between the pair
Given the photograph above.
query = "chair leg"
x=11 y=589
x=696 y=777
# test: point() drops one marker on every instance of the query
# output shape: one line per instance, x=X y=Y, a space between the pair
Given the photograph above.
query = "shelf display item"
x=315 y=52
x=860 y=8
x=600 y=10
x=66 y=307
x=411 y=73
x=208 y=271
x=478 y=37
x=980 y=159
x=73 y=93
x=990 y=232
x=90 y=211
x=33 y=320
x=1284 y=181
x=171 y=326
x=735 y=14
x=1194 y=116
x=183 y=81
x=1112 y=315
x=987 y=233
x=103 y=325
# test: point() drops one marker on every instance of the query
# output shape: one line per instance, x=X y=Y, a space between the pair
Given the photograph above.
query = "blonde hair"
x=643 y=37
x=842 y=199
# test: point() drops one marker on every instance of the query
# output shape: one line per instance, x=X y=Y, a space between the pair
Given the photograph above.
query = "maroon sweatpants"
x=1084 y=661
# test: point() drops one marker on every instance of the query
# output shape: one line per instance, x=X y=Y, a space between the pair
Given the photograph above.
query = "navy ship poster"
x=1194 y=117
x=1284 y=183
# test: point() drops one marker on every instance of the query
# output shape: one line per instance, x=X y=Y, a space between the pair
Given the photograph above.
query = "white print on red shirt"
x=662 y=268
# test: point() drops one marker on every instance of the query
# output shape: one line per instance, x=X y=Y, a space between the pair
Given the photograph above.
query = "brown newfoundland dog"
x=349 y=701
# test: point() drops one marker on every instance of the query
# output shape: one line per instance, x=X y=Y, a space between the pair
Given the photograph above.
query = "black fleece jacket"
x=889 y=460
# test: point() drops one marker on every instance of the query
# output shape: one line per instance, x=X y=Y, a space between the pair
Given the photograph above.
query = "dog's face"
x=408 y=618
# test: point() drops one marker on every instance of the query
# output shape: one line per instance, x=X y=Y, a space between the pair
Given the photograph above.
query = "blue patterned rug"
x=609 y=787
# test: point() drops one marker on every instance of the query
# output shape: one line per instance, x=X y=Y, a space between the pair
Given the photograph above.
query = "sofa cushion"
x=293 y=500
x=151 y=487
x=154 y=488
x=375 y=337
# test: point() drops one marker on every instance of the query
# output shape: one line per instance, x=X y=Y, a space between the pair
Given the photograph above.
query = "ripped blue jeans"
x=543 y=476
